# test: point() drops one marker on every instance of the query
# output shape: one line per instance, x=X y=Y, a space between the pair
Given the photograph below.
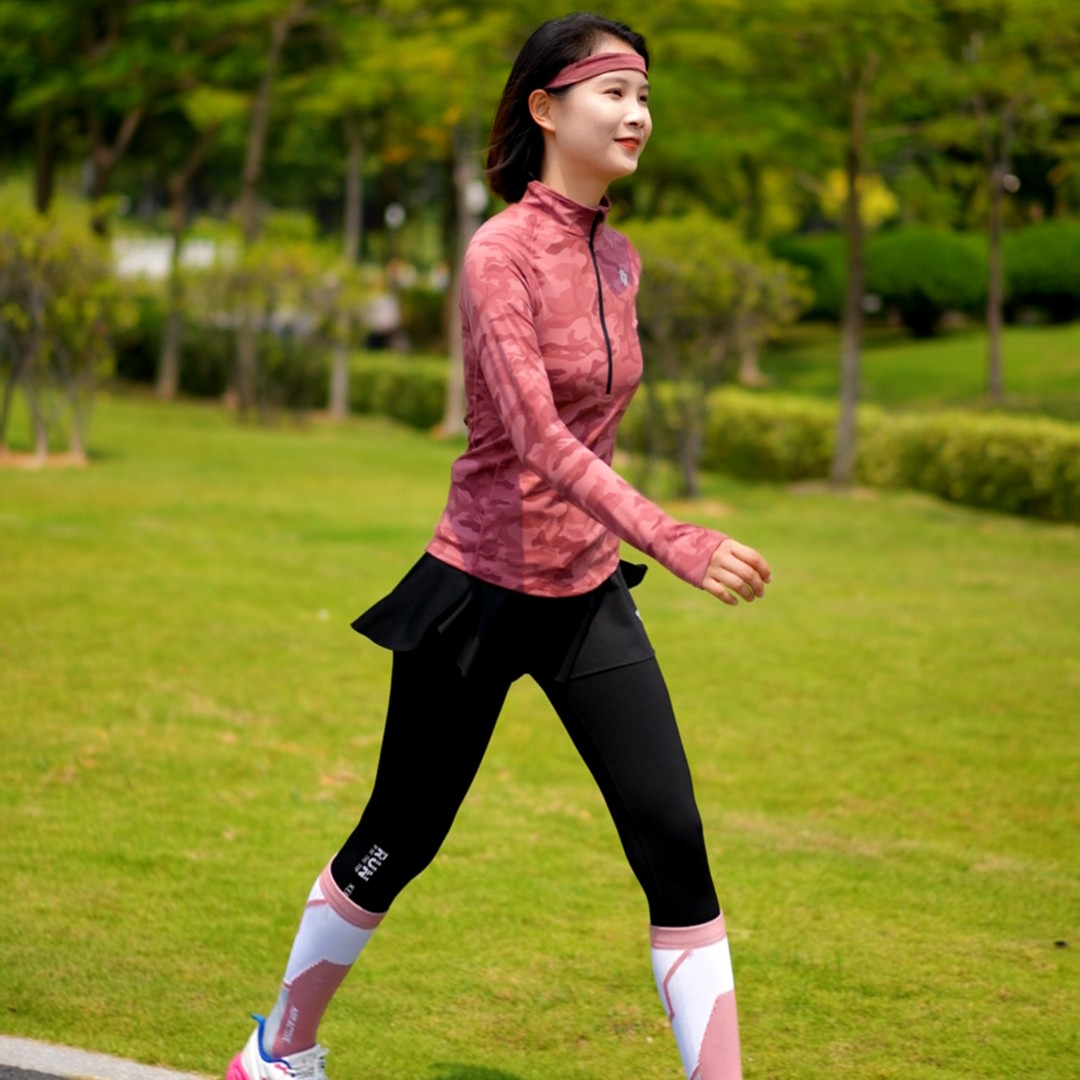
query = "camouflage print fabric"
x=534 y=504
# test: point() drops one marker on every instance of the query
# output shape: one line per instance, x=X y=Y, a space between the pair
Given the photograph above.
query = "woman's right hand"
x=736 y=572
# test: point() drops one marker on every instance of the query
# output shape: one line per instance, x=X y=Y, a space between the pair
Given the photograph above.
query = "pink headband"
x=600 y=64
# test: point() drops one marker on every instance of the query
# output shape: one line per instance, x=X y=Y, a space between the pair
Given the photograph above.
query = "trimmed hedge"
x=1042 y=265
x=1016 y=465
x=922 y=272
x=411 y=390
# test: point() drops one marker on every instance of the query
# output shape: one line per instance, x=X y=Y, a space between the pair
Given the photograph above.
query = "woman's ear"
x=540 y=109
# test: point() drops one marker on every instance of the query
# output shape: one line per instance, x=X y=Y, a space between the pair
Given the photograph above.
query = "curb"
x=26 y=1059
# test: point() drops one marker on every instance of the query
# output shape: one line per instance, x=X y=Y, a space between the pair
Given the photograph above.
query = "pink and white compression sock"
x=692 y=965
x=333 y=932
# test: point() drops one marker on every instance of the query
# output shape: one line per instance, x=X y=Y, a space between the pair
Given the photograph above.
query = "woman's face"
x=600 y=126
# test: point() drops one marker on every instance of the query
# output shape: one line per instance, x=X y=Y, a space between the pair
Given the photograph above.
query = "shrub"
x=423 y=317
x=923 y=272
x=708 y=296
x=287 y=303
x=822 y=256
x=411 y=390
x=1042 y=268
x=207 y=351
x=60 y=310
x=1018 y=465
x=758 y=436
x=767 y=437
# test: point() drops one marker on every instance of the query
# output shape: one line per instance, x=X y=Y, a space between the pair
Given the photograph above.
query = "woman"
x=523 y=575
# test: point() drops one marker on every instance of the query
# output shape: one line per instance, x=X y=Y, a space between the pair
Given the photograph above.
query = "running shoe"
x=252 y=1064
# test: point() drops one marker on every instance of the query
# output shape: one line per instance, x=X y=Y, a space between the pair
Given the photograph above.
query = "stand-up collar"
x=574 y=216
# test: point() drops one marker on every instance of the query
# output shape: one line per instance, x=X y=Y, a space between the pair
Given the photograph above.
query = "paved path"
x=25 y=1059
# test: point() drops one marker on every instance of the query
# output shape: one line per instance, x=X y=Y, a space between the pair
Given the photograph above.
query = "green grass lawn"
x=885 y=751
x=1041 y=367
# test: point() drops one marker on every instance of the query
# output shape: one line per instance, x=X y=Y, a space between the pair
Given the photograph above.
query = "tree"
x=706 y=294
x=842 y=65
x=454 y=86
x=188 y=119
x=42 y=46
x=59 y=310
x=355 y=83
x=1012 y=73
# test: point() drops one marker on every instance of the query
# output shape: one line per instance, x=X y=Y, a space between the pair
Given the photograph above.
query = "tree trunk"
x=755 y=196
x=44 y=159
x=995 y=289
x=997 y=154
x=168 y=374
x=10 y=385
x=354 y=187
x=690 y=436
x=842 y=471
x=41 y=434
x=338 y=405
x=466 y=175
x=247 y=363
x=260 y=125
x=32 y=391
x=104 y=157
x=246 y=343
x=750 y=373
x=80 y=397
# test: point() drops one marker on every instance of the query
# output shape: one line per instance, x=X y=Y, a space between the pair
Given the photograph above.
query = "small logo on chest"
x=624 y=277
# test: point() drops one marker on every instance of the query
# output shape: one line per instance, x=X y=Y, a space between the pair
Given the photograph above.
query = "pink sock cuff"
x=352 y=913
x=688 y=937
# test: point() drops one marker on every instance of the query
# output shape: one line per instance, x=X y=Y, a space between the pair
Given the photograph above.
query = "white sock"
x=333 y=931
x=692 y=965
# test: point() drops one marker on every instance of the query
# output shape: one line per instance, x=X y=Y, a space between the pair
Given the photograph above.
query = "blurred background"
x=265 y=202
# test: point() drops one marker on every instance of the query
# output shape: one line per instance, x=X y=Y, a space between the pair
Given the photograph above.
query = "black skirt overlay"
x=565 y=637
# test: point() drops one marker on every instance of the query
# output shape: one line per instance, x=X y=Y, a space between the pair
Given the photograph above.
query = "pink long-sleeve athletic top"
x=552 y=360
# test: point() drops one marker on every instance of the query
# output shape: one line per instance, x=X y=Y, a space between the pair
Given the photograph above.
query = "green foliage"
x=705 y=289
x=706 y=295
x=923 y=272
x=411 y=390
x=1018 y=465
x=423 y=318
x=757 y=436
x=206 y=349
x=822 y=256
x=769 y=437
x=299 y=298
x=60 y=309
x=1042 y=267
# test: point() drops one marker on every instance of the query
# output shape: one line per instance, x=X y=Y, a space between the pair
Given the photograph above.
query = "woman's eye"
x=615 y=92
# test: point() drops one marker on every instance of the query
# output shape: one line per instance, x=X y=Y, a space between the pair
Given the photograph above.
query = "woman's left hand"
x=736 y=572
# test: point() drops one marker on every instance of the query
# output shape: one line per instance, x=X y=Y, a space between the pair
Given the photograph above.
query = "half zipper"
x=600 y=297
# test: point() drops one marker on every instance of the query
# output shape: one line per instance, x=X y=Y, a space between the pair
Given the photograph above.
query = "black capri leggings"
x=438 y=726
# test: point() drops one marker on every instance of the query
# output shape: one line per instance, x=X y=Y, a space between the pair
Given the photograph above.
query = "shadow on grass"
x=450 y=1071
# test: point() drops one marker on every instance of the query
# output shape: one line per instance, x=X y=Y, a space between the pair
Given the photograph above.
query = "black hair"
x=516 y=151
